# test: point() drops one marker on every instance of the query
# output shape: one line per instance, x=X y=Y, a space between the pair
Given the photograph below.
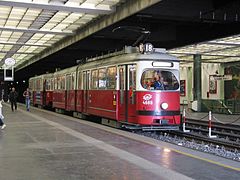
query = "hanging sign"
x=9 y=69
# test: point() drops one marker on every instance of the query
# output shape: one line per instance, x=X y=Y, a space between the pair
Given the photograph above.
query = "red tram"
x=42 y=90
x=129 y=89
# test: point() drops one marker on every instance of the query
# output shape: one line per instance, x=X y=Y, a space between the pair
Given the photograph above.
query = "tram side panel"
x=59 y=99
x=48 y=98
x=33 y=98
x=42 y=98
x=131 y=107
x=70 y=100
x=79 y=101
x=121 y=106
x=38 y=97
x=101 y=103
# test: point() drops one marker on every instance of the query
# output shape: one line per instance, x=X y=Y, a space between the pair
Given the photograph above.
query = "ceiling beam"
x=17 y=52
x=56 y=7
x=36 y=31
x=223 y=43
x=24 y=44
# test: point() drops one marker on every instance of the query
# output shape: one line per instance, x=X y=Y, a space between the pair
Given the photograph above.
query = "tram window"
x=52 y=83
x=62 y=83
x=79 y=80
x=102 y=78
x=58 y=83
x=121 y=84
x=111 y=77
x=55 y=83
x=31 y=85
x=157 y=79
x=84 y=80
x=94 y=79
x=47 y=84
x=72 y=83
x=68 y=82
x=132 y=78
x=38 y=85
x=34 y=84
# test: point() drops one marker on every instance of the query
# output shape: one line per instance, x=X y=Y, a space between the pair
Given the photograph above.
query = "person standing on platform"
x=2 y=124
x=13 y=98
x=27 y=95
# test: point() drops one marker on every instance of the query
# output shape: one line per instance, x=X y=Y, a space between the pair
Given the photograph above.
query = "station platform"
x=45 y=145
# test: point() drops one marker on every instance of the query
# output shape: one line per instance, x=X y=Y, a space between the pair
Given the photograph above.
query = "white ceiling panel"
x=220 y=50
x=30 y=26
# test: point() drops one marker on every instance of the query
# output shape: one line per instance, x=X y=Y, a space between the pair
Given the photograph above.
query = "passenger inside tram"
x=147 y=84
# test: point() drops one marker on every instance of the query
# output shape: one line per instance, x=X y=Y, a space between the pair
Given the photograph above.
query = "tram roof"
x=48 y=75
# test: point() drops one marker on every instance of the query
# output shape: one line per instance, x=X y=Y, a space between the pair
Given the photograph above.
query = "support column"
x=197 y=81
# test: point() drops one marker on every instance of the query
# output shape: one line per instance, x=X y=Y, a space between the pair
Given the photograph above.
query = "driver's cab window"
x=158 y=79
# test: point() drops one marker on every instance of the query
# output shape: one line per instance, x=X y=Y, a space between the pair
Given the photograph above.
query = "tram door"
x=86 y=76
x=44 y=93
x=127 y=97
x=68 y=92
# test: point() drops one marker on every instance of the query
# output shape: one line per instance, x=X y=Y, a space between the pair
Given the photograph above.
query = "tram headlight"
x=164 y=105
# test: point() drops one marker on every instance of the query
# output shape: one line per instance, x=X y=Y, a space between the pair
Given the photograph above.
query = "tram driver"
x=158 y=81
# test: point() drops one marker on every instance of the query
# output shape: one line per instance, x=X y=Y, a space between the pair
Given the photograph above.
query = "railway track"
x=199 y=138
x=226 y=144
x=226 y=133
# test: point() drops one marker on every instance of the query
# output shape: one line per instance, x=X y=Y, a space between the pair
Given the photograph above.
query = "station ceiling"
x=42 y=35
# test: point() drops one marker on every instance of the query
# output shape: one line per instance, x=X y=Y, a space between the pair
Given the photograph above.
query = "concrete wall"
x=186 y=73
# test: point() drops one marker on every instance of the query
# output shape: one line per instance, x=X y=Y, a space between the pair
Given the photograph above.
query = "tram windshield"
x=156 y=79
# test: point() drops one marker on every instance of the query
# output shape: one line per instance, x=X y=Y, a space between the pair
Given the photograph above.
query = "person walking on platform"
x=2 y=124
x=27 y=95
x=13 y=98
